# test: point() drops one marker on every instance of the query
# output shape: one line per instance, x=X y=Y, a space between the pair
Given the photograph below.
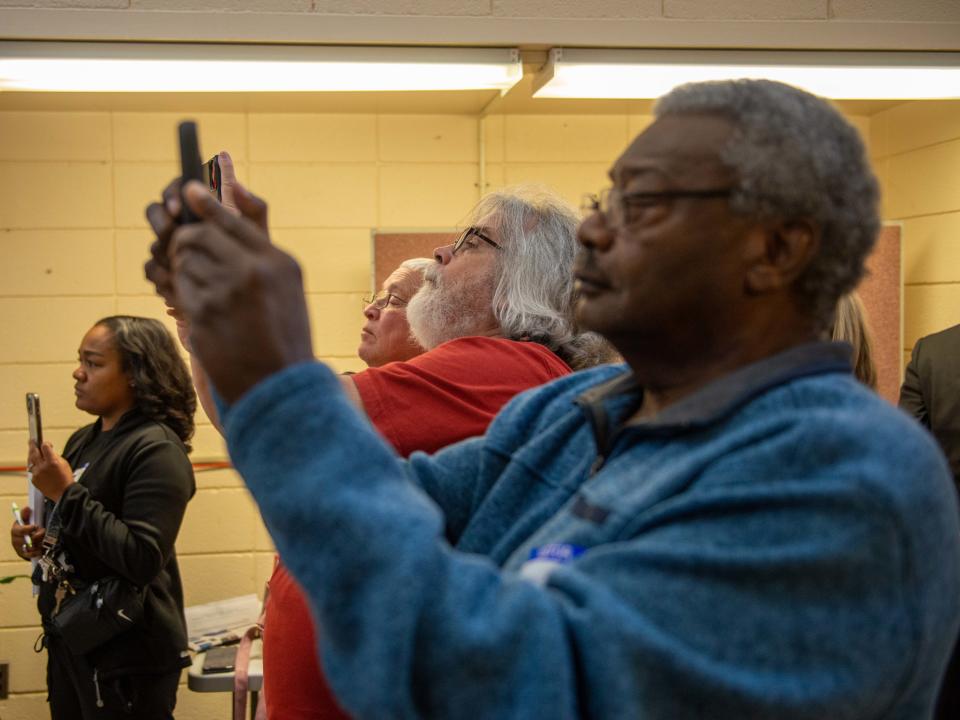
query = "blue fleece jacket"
x=782 y=544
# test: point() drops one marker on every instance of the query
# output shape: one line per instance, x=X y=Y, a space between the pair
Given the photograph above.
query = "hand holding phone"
x=166 y=216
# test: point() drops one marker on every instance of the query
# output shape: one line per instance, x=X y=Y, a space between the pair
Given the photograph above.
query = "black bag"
x=97 y=612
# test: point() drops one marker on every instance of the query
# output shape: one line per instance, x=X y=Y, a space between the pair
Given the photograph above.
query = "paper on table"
x=35 y=501
x=221 y=621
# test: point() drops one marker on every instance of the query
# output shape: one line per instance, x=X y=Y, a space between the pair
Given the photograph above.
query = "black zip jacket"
x=122 y=518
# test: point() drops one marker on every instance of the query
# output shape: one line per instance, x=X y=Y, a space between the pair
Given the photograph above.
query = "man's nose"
x=371 y=311
x=594 y=232
x=443 y=254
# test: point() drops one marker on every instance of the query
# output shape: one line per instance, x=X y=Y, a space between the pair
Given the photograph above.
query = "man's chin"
x=365 y=352
x=588 y=315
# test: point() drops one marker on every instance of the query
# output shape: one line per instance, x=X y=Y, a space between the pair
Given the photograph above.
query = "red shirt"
x=445 y=395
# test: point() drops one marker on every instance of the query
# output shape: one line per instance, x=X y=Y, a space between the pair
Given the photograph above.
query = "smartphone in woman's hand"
x=33 y=418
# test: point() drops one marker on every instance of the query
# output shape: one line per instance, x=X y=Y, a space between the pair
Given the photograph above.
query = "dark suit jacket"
x=931 y=390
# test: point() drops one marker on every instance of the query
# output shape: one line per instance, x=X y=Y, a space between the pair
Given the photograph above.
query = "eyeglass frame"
x=382 y=299
x=603 y=202
x=458 y=243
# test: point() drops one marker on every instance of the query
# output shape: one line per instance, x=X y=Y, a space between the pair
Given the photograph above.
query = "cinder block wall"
x=72 y=237
x=916 y=150
x=73 y=188
x=786 y=10
x=72 y=191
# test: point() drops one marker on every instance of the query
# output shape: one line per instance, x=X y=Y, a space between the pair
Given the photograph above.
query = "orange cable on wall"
x=197 y=466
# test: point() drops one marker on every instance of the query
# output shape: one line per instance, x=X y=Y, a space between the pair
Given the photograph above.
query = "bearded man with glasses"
x=729 y=526
x=475 y=357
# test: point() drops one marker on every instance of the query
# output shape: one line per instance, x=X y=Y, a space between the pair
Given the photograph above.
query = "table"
x=223 y=682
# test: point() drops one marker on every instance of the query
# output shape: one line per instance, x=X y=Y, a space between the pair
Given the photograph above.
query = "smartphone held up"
x=33 y=418
x=35 y=427
x=191 y=167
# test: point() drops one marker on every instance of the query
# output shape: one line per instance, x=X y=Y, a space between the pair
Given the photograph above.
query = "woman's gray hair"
x=419 y=264
x=533 y=295
x=796 y=158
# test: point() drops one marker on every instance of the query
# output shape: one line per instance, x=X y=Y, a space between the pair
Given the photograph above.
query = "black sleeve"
x=911 y=392
x=137 y=542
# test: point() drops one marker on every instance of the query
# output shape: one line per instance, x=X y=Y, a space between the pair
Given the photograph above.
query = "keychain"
x=62 y=589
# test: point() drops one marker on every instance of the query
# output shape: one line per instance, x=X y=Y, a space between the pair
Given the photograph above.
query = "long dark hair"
x=162 y=387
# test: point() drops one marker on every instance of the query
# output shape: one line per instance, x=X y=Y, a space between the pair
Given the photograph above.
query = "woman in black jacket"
x=115 y=501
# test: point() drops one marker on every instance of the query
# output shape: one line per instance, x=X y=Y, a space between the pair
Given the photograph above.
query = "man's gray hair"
x=533 y=295
x=796 y=158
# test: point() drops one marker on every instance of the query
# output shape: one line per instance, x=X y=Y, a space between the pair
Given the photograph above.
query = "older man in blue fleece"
x=728 y=526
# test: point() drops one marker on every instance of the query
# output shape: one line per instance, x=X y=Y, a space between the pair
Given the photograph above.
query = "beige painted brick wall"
x=577 y=8
x=403 y=7
x=76 y=4
x=787 y=10
x=329 y=179
x=896 y=10
x=916 y=148
x=746 y=9
x=73 y=188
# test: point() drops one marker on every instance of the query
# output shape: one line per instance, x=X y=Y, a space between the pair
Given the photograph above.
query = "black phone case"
x=220 y=659
x=191 y=167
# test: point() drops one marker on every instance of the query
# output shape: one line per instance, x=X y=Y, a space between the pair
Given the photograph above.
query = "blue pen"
x=16 y=517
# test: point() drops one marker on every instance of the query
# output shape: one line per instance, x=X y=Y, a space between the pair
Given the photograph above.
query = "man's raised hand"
x=242 y=295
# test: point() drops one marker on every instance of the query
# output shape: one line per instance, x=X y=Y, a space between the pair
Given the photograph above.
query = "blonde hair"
x=850 y=325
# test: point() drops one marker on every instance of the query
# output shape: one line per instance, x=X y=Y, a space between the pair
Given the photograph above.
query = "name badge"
x=547 y=558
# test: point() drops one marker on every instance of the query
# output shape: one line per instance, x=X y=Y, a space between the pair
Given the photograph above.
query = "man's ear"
x=782 y=252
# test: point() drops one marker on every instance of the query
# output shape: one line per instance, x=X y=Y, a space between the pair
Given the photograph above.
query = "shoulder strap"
x=241 y=666
x=241 y=677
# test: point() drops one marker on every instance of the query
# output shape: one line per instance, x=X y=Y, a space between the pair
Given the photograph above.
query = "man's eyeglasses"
x=467 y=234
x=383 y=298
x=626 y=209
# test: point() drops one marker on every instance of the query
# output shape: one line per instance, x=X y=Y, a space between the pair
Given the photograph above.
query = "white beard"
x=443 y=311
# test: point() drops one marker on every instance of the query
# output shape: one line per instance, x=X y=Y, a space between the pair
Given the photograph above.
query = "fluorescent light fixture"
x=581 y=73
x=162 y=67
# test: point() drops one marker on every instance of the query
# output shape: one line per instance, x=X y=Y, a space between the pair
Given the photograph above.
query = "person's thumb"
x=228 y=181
x=199 y=199
x=25 y=514
x=250 y=206
x=206 y=207
x=244 y=227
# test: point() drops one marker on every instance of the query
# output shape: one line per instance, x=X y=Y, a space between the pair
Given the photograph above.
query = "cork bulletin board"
x=882 y=294
x=881 y=290
x=392 y=248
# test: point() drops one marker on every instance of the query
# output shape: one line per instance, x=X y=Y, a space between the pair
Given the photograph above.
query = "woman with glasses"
x=385 y=336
